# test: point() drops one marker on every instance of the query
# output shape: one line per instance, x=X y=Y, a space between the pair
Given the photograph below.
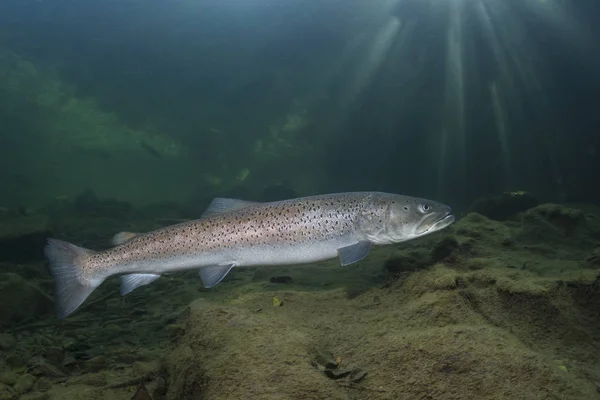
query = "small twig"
x=134 y=381
x=352 y=385
x=98 y=300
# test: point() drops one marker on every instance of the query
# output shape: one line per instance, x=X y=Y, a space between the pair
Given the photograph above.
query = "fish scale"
x=239 y=233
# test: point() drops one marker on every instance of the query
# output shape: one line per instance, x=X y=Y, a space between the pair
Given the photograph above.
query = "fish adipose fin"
x=123 y=237
x=213 y=274
x=133 y=281
x=221 y=205
x=354 y=252
x=65 y=262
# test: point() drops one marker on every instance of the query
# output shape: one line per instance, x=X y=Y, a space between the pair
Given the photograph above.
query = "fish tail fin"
x=66 y=266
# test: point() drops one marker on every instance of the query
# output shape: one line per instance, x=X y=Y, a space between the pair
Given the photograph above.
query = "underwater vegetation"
x=502 y=305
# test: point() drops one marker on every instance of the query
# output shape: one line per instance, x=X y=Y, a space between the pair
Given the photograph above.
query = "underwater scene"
x=299 y=199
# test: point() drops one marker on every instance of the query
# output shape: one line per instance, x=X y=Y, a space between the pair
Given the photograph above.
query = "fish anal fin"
x=354 y=252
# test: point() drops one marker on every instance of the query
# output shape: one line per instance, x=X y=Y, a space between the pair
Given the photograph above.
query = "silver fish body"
x=238 y=233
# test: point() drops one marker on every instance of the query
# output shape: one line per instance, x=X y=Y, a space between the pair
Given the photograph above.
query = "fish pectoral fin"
x=221 y=205
x=133 y=281
x=213 y=274
x=354 y=252
x=123 y=237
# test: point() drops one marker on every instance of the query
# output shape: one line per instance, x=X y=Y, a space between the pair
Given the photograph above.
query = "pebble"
x=24 y=383
x=42 y=385
x=7 y=341
x=8 y=378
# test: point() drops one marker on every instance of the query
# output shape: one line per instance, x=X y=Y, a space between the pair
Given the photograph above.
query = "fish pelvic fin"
x=66 y=266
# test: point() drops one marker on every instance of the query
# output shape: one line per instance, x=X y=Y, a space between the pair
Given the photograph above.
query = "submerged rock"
x=7 y=341
x=281 y=279
x=24 y=383
x=22 y=238
x=555 y=224
x=7 y=392
x=8 y=378
x=21 y=299
x=505 y=206
x=407 y=262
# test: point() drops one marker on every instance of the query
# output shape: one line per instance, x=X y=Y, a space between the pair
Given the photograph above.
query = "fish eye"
x=425 y=207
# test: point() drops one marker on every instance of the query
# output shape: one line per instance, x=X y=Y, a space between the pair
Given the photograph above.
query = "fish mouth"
x=440 y=223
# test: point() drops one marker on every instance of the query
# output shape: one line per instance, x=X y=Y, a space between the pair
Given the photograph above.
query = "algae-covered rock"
x=505 y=206
x=42 y=385
x=22 y=237
x=35 y=396
x=8 y=378
x=7 y=392
x=593 y=260
x=554 y=223
x=437 y=331
x=7 y=341
x=24 y=383
x=406 y=262
x=21 y=299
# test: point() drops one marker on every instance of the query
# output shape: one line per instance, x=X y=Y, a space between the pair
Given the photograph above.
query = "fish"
x=238 y=233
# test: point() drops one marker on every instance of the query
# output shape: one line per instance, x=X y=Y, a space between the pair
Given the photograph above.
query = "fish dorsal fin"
x=221 y=205
x=123 y=237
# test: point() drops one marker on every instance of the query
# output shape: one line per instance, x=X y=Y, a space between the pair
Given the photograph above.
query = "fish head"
x=404 y=218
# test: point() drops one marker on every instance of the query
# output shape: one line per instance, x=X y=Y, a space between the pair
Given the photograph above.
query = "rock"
x=7 y=393
x=35 y=396
x=42 y=385
x=88 y=204
x=412 y=261
x=96 y=364
x=444 y=248
x=594 y=259
x=323 y=361
x=553 y=223
x=8 y=378
x=21 y=299
x=337 y=373
x=69 y=360
x=141 y=393
x=281 y=279
x=175 y=330
x=7 y=342
x=14 y=361
x=161 y=388
x=24 y=383
x=22 y=238
x=140 y=368
x=357 y=375
x=505 y=206
x=39 y=366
